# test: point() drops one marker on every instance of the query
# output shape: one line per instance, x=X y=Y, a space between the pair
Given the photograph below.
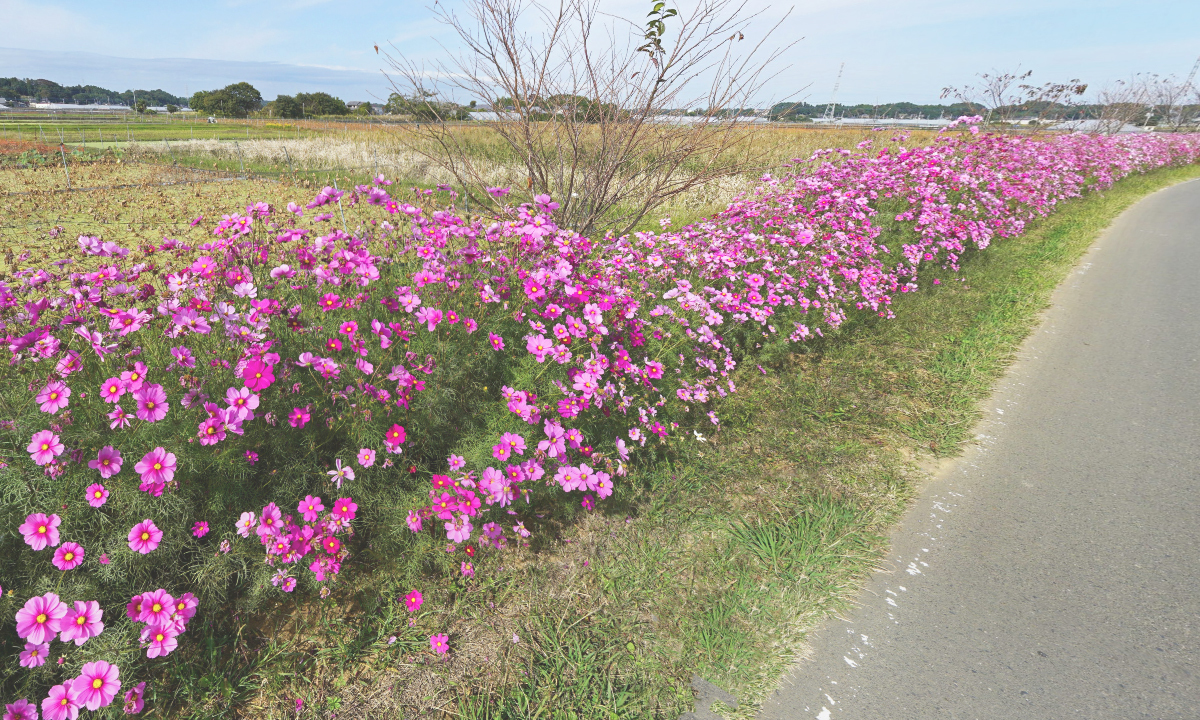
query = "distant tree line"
x=28 y=90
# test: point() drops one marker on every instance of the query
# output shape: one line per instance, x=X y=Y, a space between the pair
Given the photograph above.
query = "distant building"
x=354 y=105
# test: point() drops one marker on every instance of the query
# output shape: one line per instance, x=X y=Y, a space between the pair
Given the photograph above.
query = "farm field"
x=711 y=551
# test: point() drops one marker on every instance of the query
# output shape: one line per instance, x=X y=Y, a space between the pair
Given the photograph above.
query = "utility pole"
x=829 y=109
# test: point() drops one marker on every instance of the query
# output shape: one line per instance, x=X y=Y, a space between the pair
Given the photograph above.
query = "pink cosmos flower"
x=40 y=530
x=413 y=521
x=309 y=507
x=108 y=462
x=34 y=655
x=98 y=684
x=62 y=704
x=39 y=620
x=331 y=545
x=54 y=396
x=133 y=379
x=145 y=537
x=152 y=403
x=467 y=569
x=157 y=468
x=246 y=522
x=68 y=557
x=440 y=643
x=119 y=418
x=200 y=529
x=20 y=710
x=366 y=457
x=160 y=640
x=271 y=521
x=298 y=417
x=81 y=622
x=496 y=341
x=251 y=457
x=156 y=607
x=185 y=607
x=413 y=601
x=211 y=431
x=459 y=530
x=44 y=447
x=135 y=699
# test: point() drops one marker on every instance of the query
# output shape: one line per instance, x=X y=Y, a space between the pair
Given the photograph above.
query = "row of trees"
x=30 y=90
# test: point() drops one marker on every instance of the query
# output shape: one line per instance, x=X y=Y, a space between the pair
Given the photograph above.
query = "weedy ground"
x=717 y=560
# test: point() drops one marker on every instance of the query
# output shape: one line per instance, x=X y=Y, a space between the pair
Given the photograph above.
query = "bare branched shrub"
x=1005 y=94
x=589 y=106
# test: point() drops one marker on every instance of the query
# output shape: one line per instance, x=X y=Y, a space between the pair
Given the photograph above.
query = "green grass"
x=109 y=132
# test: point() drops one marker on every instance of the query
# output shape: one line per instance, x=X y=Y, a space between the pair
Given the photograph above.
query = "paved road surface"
x=1054 y=570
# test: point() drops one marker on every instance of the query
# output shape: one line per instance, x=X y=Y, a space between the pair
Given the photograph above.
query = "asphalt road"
x=1054 y=570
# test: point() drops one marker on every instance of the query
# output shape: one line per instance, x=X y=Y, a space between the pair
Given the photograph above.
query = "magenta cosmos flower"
x=39 y=620
x=44 y=447
x=144 y=537
x=34 y=654
x=20 y=710
x=135 y=699
x=97 y=495
x=108 y=462
x=68 y=557
x=152 y=403
x=344 y=509
x=54 y=396
x=200 y=529
x=98 y=684
x=82 y=622
x=258 y=375
x=395 y=435
x=62 y=704
x=298 y=417
x=413 y=601
x=157 y=467
x=41 y=530
x=440 y=643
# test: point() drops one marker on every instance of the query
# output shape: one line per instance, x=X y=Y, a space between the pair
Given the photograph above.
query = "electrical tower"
x=833 y=100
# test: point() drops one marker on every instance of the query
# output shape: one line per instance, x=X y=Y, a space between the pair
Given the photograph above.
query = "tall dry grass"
x=362 y=149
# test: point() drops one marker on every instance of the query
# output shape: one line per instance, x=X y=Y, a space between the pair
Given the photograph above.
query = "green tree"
x=171 y=109
x=285 y=106
x=320 y=103
x=236 y=100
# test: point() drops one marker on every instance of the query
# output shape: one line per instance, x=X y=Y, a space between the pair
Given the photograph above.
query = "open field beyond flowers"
x=432 y=463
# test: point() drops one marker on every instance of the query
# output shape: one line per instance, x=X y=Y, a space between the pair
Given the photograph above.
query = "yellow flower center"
x=41 y=618
x=68 y=556
x=158 y=637
x=98 y=493
x=97 y=683
x=156 y=607
x=80 y=620
x=145 y=536
x=45 y=446
x=42 y=529
x=158 y=466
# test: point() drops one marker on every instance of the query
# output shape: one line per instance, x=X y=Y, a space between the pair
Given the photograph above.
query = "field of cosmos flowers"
x=284 y=397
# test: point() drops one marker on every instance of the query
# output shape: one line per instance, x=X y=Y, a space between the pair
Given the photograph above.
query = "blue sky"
x=893 y=50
